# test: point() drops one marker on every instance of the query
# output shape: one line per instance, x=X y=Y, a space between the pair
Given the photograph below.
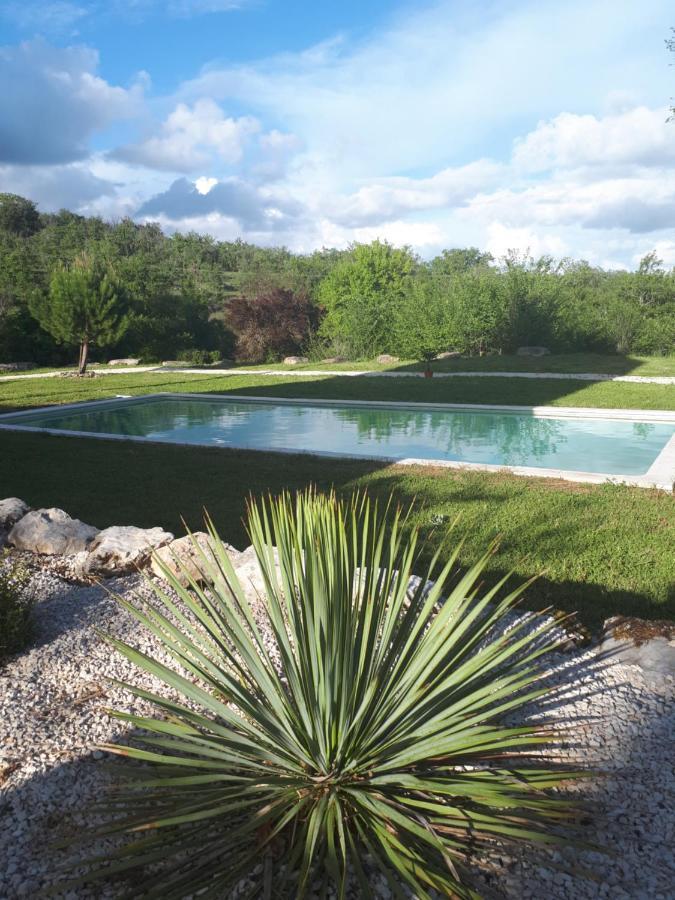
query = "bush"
x=362 y=296
x=15 y=607
x=199 y=357
x=274 y=324
x=347 y=720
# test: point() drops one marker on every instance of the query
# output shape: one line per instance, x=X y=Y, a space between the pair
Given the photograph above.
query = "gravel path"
x=371 y=373
x=52 y=701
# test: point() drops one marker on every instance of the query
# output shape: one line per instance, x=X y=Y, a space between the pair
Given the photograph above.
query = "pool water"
x=397 y=432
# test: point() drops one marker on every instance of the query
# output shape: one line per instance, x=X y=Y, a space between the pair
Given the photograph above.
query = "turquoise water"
x=500 y=438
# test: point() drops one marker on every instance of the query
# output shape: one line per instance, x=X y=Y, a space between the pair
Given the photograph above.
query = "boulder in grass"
x=449 y=354
x=123 y=362
x=295 y=360
x=121 y=549
x=385 y=358
x=184 y=560
x=17 y=366
x=52 y=532
x=11 y=510
x=533 y=351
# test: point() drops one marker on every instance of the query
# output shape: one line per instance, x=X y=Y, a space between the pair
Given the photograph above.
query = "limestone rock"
x=248 y=572
x=448 y=354
x=295 y=360
x=640 y=642
x=51 y=531
x=11 y=510
x=123 y=548
x=184 y=560
x=533 y=351
x=334 y=359
x=387 y=358
x=123 y=362
x=17 y=366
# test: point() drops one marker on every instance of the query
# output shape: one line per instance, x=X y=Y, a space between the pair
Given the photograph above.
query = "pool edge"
x=659 y=476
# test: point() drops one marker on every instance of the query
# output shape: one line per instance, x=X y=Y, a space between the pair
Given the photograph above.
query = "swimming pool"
x=633 y=446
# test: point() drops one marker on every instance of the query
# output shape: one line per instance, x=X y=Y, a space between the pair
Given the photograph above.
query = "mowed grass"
x=31 y=392
x=567 y=363
x=600 y=550
x=595 y=363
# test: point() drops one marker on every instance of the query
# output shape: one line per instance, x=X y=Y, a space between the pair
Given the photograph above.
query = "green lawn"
x=601 y=364
x=43 y=391
x=603 y=549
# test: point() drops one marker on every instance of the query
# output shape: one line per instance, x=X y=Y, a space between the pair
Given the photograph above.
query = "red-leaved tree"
x=275 y=323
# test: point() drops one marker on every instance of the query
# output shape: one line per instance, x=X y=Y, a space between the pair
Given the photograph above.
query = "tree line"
x=128 y=289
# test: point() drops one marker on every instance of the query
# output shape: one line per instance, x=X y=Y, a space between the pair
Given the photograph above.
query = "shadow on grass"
x=597 y=363
x=603 y=550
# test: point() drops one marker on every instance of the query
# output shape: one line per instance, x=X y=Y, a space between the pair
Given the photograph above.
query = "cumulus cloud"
x=443 y=78
x=191 y=138
x=233 y=198
x=394 y=197
x=636 y=137
x=54 y=102
x=71 y=186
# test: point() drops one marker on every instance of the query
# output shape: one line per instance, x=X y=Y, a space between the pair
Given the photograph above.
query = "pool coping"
x=660 y=475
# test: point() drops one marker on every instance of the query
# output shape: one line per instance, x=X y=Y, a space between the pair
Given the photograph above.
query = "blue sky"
x=504 y=124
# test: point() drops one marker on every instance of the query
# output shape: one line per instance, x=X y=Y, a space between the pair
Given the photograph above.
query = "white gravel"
x=52 y=701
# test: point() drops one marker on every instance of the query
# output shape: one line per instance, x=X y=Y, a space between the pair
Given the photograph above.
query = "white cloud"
x=502 y=238
x=445 y=78
x=56 y=103
x=46 y=17
x=640 y=137
x=72 y=186
x=204 y=184
x=191 y=138
x=393 y=197
x=59 y=16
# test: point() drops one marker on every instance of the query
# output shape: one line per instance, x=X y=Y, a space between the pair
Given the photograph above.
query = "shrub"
x=273 y=324
x=347 y=724
x=15 y=607
x=362 y=295
x=199 y=357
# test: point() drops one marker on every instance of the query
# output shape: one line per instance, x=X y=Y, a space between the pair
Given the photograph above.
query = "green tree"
x=18 y=215
x=458 y=260
x=361 y=296
x=84 y=306
x=425 y=321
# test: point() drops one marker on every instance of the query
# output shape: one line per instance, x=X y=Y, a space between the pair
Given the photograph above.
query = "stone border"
x=660 y=475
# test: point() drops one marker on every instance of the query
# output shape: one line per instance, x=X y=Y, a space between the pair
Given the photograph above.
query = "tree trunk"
x=84 y=356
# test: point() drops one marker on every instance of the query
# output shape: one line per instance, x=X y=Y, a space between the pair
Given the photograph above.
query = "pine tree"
x=84 y=307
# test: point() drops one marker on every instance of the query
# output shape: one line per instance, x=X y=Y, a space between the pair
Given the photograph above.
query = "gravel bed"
x=52 y=711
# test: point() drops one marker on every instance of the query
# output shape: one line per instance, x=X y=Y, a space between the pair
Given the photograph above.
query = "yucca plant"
x=343 y=726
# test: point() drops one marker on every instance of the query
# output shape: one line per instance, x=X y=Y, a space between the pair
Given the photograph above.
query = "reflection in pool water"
x=498 y=438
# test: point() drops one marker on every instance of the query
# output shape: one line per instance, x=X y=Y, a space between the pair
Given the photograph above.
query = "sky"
x=532 y=125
